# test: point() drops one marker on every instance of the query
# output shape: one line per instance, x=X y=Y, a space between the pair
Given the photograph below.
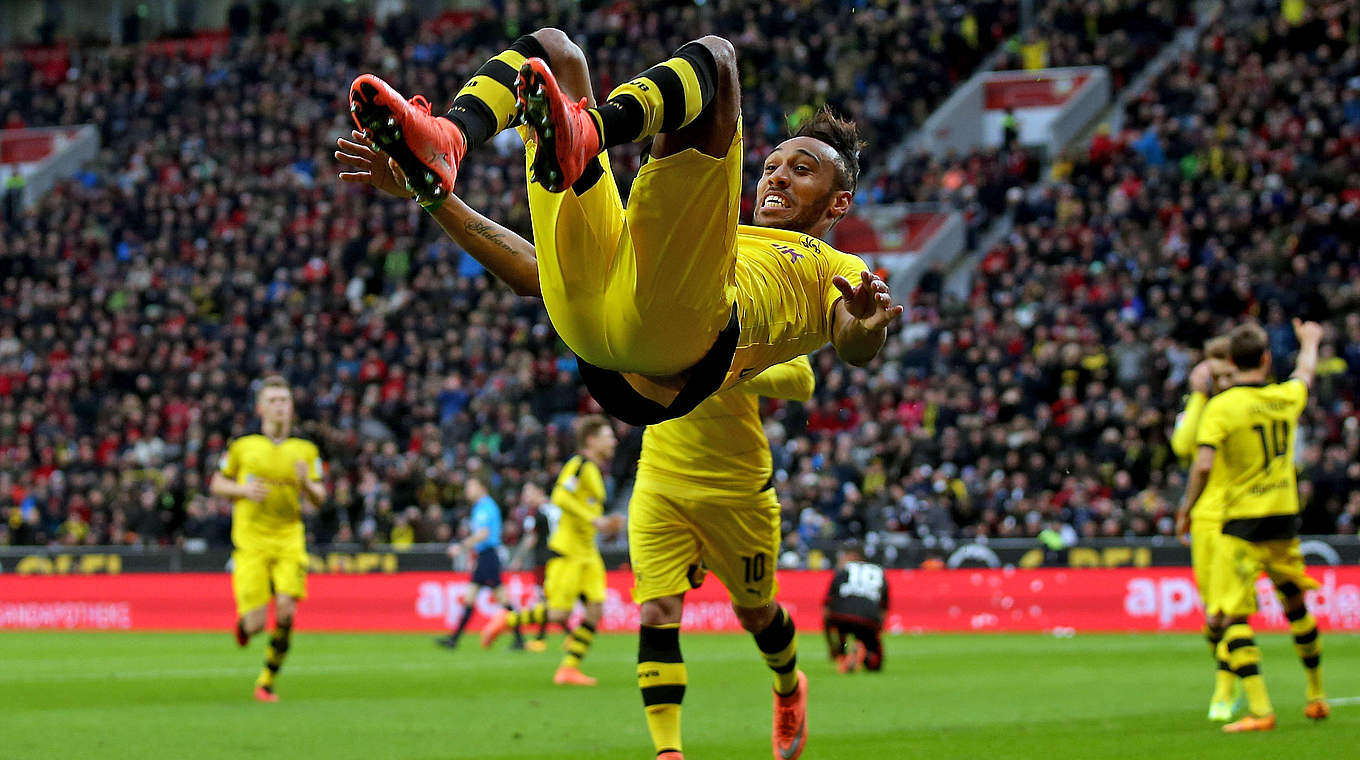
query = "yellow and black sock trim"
x=536 y=614
x=486 y=104
x=1213 y=636
x=662 y=679
x=664 y=98
x=1306 y=642
x=578 y=643
x=279 y=644
x=779 y=645
x=1244 y=657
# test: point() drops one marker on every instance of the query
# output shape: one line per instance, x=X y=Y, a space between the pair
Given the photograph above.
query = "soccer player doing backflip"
x=670 y=300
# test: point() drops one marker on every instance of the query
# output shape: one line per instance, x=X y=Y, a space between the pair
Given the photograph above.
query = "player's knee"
x=562 y=52
x=664 y=611
x=755 y=619
x=724 y=53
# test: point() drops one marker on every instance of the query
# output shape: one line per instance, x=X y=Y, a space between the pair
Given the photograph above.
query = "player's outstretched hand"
x=870 y=301
x=1307 y=332
x=370 y=166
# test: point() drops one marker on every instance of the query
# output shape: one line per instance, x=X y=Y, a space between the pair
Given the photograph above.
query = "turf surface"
x=112 y=695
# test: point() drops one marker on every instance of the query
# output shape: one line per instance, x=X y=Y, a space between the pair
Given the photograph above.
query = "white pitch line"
x=1344 y=701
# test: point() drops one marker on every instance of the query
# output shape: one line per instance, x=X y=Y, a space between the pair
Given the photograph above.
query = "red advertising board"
x=1038 y=91
x=1117 y=599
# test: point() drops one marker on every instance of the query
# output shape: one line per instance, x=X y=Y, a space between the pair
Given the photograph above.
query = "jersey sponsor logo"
x=789 y=251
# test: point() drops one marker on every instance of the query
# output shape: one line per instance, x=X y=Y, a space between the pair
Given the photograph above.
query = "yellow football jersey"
x=784 y=297
x=1253 y=429
x=274 y=525
x=720 y=447
x=580 y=494
x=1210 y=503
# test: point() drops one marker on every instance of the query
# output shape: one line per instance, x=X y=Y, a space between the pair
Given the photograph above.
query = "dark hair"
x=1247 y=345
x=843 y=137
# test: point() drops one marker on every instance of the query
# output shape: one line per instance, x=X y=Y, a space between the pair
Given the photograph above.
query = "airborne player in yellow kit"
x=669 y=300
x=266 y=475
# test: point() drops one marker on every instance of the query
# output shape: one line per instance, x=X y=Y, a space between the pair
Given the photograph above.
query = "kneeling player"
x=855 y=604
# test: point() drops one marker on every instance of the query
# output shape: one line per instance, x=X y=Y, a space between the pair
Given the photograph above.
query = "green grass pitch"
x=369 y=697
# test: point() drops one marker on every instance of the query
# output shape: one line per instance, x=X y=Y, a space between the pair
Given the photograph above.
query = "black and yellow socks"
x=273 y=661
x=662 y=678
x=535 y=614
x=663 y=98
x=486 y=104
x=779 y=644
x=578 y=643
x=1225 y=679
x=1244 y=657
x=1309 y=647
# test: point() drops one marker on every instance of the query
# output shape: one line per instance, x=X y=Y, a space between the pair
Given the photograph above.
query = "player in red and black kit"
x=854 y=607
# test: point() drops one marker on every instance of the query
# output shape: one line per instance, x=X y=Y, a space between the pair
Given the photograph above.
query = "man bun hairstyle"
x=843 y=137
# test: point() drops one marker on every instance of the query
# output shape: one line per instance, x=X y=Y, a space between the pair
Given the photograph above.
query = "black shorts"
x=488 y=570
x=612 y=391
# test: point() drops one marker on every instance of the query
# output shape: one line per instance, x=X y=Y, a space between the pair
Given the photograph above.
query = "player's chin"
x=778 y=217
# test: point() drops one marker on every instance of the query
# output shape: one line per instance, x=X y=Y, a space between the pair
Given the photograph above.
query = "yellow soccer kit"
x=1253 y=431
x=270 y=552
x=703 y=496
x=576 y=568
x=1206 y=518
x=647 y=290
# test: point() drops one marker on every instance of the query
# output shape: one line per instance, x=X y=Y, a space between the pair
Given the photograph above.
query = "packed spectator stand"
x=209 y=245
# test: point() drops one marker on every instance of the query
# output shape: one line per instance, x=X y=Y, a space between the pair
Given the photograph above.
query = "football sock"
x=1224 y=678
x=578 y=643
x=661 y=677
x=536 y=614
x=510 y=611
x=1309 y=647
x=779 y=644
x=663 y=98
x=1239 y=649
x=486 y=104
x=273 y=660
x=467 y=615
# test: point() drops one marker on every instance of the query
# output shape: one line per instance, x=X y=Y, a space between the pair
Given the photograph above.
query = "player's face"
x=603 y=442
x=797 y=188
x=275 y=406
x=1224 y=374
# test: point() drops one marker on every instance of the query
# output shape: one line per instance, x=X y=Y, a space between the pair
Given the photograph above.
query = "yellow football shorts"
x=566 y=579
x=1204 y=536
x=1238 y=563
x=257 y=576
x=672 y=539
x=646 y=289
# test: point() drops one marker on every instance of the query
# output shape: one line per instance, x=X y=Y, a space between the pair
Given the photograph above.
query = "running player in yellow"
x=267 y=475
x=671 y=300
x=1203 y=526
x=575 y=569
x=1248 y=432
x=720 y=446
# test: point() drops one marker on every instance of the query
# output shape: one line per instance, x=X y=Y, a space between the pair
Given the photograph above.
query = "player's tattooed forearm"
x=488 y=232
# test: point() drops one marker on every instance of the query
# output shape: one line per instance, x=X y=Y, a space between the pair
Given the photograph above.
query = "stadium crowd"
x=208 y=246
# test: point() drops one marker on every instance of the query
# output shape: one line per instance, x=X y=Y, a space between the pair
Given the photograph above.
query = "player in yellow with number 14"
x=266 y=475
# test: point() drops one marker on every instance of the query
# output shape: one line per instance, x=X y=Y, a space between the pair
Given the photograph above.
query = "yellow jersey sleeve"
x=793 y=381
x=1183 y=437
x=315 y=468
x=1214 y=422
x=579 y=493
x=1297 y=392
x=846 y=265
x=231 y=460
